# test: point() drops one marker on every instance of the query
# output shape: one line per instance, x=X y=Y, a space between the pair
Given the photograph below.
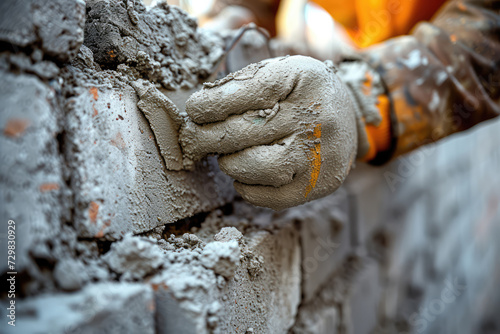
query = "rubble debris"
x=134 y=257
x=222 y=257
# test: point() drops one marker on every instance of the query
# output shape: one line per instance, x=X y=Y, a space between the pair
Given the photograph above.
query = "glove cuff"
x=372 y=106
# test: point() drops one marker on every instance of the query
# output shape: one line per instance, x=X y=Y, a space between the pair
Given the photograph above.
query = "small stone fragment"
x=228 y=234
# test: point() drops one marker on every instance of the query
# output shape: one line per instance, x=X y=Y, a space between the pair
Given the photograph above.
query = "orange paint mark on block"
x=15 y=127
x=156 y=286
x=118 y=141
x=315 y=158
x=93 y=211
x=100 y=234
x=48 y=187
x=95 y=93
x=95 y=111
x=151 y=305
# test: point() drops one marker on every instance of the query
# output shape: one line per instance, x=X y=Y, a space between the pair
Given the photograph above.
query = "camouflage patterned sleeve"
x=445 y=76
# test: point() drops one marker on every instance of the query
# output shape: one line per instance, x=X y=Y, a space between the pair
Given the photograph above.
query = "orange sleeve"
x=443 y=78
x=380 y=136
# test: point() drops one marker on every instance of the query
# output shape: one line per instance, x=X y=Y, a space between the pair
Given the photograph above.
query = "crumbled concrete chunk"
x=228 y=234
x=222 y=257
x=134 y=257
x=70 y=274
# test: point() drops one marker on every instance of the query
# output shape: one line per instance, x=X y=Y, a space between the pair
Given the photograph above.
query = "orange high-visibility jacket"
x=372 y=21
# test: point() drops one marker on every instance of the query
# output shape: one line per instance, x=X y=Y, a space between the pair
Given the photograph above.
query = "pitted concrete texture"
x=260 y=291
x=265 y=295
x=53 y=26
x=161 y=44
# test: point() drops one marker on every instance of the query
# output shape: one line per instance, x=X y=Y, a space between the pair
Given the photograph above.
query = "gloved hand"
x=285 y=129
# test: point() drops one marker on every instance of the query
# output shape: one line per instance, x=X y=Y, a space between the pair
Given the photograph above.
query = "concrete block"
x=262 y=294
x=267 y=302
x=364 y=299
x=170 y=317
x=118 y=175
x=98 y=308
x=324 y=238
x=317 y=320
x=33 y=192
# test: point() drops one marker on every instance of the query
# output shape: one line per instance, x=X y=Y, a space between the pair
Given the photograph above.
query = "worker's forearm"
x=445 y=77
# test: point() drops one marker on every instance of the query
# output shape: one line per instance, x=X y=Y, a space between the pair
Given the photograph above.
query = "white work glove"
x=285 y=130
